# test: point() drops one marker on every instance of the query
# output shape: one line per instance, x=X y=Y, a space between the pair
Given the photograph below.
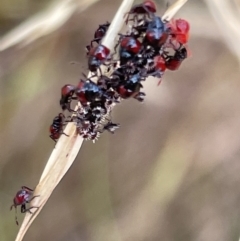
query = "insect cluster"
x=148 y=48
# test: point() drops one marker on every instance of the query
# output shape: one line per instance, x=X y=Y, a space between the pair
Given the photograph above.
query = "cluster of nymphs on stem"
x=149 y=47
x=24 y=196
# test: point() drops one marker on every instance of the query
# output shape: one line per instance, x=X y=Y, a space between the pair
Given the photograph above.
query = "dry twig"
x=226 y=15
x=43 y=23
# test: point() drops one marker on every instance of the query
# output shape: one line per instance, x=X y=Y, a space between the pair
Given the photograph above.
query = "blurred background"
x=171 y=172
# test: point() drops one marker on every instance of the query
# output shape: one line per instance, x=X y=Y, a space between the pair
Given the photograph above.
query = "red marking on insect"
x=25 y=195
x=157 y=67
x=147 y=8
x=88 y=91
x=129 y=48
x=67 y=93
x=160 y=66
x=100 y=33
x=130 y=44
x=159 y=63
x=56 y=128
x=131 y=87
x=156 y=33
x=174 y=62
x=179 y=30
x=97 y=56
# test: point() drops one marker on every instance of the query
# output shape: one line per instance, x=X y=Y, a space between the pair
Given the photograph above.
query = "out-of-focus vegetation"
x=171 y=172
